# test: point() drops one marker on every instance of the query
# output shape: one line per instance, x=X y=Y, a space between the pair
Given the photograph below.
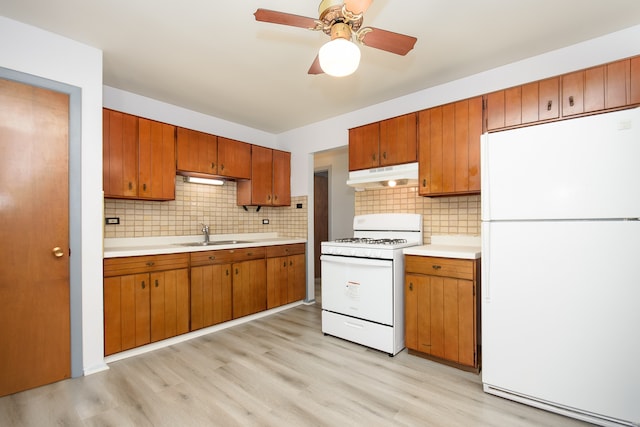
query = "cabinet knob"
x=410 y=286
x=212 y=258
x=213 y=165
x=549 y=104
x=571 y=101
x=374 y=157
x=222 y=167
x=143 y=285
x=424 y=182
x=436 y=267
x=290 y=263
x=156 y=283
x=151 y=264
x=249 y=253
x=227 y=271
x=236 y=271
x=130 y=185
x=144 y=187
x=384 y=155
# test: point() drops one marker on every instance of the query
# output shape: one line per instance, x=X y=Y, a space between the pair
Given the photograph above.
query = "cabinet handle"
x=284 y=264
x=144 y=187
x=290 y=263
x=156 y=283
x=212 y=257
x=236 y=271
x=384 y=155
x=275 y=197
x=150 y=264
x=130 y=185
x=436 y=267
x=269 y=197
x=249 y=253
x=571 y=101
x=222 y=167
x=549 y=104
x=227 y=271
x=374 y=157
x=213 y=165
x=411 y=286
x=424 y=182
x=143 y=285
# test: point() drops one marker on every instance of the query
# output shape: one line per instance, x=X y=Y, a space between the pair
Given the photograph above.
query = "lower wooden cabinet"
x=210 y=295
x=441 y=309
x=249 y=287
x=286 y=274
x=146 y=299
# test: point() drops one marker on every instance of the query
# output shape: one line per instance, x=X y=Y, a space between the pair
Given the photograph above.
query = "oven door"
x=358 y=287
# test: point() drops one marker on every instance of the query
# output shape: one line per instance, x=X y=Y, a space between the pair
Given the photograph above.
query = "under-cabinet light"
x=208 y=181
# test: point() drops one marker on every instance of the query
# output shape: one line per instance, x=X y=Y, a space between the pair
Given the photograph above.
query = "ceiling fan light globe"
x=339 y=57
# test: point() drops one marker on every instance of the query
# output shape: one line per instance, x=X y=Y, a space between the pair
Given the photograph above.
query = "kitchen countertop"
x=463 y=247
x=120 y=247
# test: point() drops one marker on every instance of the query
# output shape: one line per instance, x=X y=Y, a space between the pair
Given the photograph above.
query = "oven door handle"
x=356 y=261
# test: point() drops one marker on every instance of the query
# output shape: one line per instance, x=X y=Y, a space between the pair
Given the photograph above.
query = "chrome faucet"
x=205 y=230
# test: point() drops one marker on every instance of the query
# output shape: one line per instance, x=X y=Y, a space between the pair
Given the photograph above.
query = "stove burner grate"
x=371 y=241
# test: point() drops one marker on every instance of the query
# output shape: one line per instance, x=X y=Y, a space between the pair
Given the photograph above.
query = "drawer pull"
x=151 y=264
x=436 y=267
x=143 y=285
x=156 y=283
x=227 y=271
x=212 y=257
x=249 y=253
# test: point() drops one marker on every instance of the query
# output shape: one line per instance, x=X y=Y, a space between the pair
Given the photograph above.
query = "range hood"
x=389 y=176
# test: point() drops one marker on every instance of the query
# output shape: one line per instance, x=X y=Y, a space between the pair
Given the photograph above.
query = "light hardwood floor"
x=277 y=371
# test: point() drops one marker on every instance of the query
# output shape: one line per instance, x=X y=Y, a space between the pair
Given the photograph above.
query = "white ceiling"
x=214 y=58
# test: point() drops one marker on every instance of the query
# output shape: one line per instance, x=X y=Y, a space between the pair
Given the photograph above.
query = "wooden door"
x=296 y=278
x=364 y=147
x=196 y=151
x=157 y=160
x=35 y=344
x=119 y=154
x=210 y=295
x=398 y=140
x=277 y=274
x=234 y=158
x=261 y=176
x=281 y=178
x=169 y=303
x=320 y=216
x=548 y=96
x=249 y=287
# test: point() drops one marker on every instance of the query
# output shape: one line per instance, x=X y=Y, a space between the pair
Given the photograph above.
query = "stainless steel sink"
x=215 y=243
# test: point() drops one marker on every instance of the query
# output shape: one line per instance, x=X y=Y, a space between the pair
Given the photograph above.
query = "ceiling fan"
x=342 y=20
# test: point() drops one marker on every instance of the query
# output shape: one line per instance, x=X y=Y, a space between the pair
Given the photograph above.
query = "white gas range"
x=362 y=280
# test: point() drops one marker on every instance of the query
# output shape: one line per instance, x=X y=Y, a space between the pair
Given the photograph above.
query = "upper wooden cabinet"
x=606 y=87
x=196 y=152
x=270 y=183
x=449 y=147
x=234 y=158
x=533 y=102
x=389 y=142
x=138 y=157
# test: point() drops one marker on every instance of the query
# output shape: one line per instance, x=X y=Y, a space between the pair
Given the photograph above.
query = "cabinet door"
x=249 y=287
x=157 y=161
x=617 y=82
x=364 y=147
x=120 y=154
x=126 y=312
x=583 y=91
x=196 y=151
x=261 y=176
x=210 y=295
x=277 y=281
x=417 y=313
x=169 y=304
x=548 y=95
x=296 y=278
x=634 y=96
x=513 y=106
x=234 y=158
x=281 y=178
x=398 y=140
x=495 y=110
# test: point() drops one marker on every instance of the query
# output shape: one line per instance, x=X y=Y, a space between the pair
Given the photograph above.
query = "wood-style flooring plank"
x=276 y=371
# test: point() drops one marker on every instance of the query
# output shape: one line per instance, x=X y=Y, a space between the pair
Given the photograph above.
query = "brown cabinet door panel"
x=249 y=287
x=548 y=94
x=573 y=93
x=466 y=323
x=364 y=146
x=495 y=110
x=634 y=96
x=513 y=106
x=142 y=309
x=475 y=132
x=120 y=154
x=112 y=316
x=451 y=313
x=436 y=154
x=261 y=176
x=281 y=178
x=530 y=102
x=424 y=151
x=462 y=135
x=594 y=89
x=234 y=158
x=437 y=316
x=277 y=277
x=398 y=140
x=297 y=274
x=617 y=84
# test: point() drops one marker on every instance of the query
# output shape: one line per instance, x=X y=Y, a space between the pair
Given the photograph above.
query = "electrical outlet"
x=265 y=221
x=298 y=205
x=112 y=221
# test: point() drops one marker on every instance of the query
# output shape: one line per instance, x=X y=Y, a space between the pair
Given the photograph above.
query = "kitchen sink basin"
x=215 y=243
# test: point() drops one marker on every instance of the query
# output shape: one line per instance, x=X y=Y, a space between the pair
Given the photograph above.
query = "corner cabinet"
x=139 y=160
x=146 y=299
x=449 y=148
x=442 y=310
x=270 y=183
x=388 y=142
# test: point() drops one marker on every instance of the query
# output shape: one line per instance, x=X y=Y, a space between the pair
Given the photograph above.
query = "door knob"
x=57 y=251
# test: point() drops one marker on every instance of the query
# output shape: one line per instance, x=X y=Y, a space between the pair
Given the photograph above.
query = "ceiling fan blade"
x=357 y=6
x=315 y=67
x=266 y=15
x=399 y=44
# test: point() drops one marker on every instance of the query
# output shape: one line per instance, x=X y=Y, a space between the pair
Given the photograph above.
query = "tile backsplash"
x=198 y=203
x=440 y=215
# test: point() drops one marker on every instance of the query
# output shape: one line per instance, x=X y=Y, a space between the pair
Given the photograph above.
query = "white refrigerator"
x=561 y=266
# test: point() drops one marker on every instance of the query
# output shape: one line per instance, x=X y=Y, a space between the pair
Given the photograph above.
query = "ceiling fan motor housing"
x=331 y=12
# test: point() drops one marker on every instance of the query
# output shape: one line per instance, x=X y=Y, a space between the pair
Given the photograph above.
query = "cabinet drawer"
x=144 y=264
x=446 y=267
x=285 y=250
x=226 y=256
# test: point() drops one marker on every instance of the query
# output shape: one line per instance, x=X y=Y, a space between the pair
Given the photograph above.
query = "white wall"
x=30 y=50
x=138 y=105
